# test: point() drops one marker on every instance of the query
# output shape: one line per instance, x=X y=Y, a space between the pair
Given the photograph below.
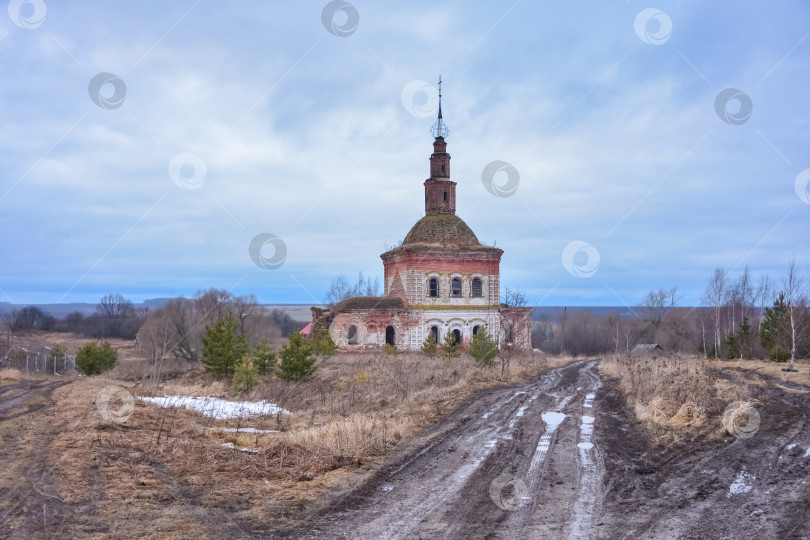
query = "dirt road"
x=563 y=457
x=27 y=500
x=516 y=463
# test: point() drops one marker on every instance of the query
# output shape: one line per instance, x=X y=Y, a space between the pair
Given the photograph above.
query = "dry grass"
x=10 y=373
x=161 y=462
x=674 y=397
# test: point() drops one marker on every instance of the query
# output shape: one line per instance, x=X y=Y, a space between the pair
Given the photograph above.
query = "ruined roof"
x=369 y=302
x=444 y=229
x=444 y=232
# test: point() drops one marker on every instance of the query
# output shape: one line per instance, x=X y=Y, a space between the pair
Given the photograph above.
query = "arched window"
x=475 y=329
x=477 y=288
x=352 y=335
x=455 y=287
x=456 y=336
x=444 y=196
x=433 y=287
x=389 y=336
x=434 y=331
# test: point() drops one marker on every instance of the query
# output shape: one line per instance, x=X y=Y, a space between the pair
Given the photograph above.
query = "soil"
x=561 y=456
x=498 y=468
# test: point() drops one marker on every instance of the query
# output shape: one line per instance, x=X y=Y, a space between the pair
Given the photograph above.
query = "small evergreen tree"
x=450 y=347
x=297 y=360
x=323 y=345
x=94 y=360
x=57 y=351
x=732 y=348
x=264 y=357
x=774 y=332
x=223 y=347
x=429 y=346
x=246 y=375
x=483 y=348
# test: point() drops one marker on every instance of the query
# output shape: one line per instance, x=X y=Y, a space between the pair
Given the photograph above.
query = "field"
x=77 y=467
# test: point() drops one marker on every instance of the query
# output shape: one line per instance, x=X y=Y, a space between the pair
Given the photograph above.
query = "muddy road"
x=517 y=463
x=563 y=457
x=28 y=501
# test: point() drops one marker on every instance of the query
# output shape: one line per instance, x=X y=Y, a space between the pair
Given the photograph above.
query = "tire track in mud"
x=503 y=465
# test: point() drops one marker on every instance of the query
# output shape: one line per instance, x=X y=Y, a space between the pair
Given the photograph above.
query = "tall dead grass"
x=358 y=408
x=673 y=397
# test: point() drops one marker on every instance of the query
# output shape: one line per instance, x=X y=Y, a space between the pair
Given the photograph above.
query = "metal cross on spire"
x=440 y=129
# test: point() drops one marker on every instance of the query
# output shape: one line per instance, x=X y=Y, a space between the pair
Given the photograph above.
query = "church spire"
x=440 y=191
x=440 y=129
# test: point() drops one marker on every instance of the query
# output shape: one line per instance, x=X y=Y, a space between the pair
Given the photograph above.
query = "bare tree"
x=793 y=284
x=714 y=296
x=656 y=304
x=340 y=289
x=764 y=295
x=244 y=307
x=514 y=297
x=114 y=306
x=7 y=323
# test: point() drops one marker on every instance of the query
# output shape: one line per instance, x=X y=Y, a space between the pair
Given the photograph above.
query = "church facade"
x=440 y=280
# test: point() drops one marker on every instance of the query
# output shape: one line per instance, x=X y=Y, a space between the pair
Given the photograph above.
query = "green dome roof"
x=445 y=230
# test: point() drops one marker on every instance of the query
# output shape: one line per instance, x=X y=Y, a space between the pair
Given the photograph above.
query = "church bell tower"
x=440 y=191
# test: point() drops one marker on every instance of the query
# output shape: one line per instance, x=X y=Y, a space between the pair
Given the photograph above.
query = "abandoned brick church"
x=440 y=279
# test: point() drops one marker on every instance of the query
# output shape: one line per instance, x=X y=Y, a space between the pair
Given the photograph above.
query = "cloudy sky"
x=147 y=145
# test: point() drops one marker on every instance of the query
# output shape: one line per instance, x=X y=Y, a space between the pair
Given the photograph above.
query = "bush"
x=297 y=360
x=389 y=349
x=246 y=375
x=778 y=354
x=57 y=351
x=94 y=360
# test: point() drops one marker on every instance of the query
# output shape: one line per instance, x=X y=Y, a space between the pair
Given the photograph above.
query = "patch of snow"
x=587 y=419
x=585 y=445
x=245 y=450
x=552 y=419
x=491 y=443
x=589 y=400
x=239 y=430
x=744 y=483
x=387 y=487
x=790 y=446
x=486 y=415
x=807 y=454
x=522 y=410
x=587 y=429
x=217 y=408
